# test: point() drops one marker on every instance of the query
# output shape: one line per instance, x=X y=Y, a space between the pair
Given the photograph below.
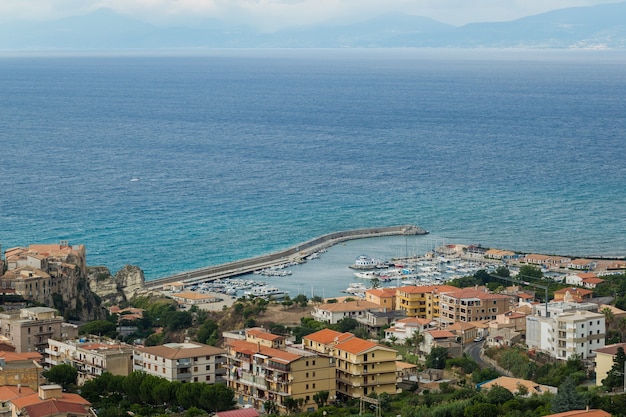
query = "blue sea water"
x=243 y=152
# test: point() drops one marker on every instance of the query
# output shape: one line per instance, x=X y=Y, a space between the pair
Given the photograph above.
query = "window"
x=207 y=368
x=313 y=386
x=306 y=375
x=195 y=369
x=208 y=377
x=313 y=365
x=307 y=386
x=195 y=379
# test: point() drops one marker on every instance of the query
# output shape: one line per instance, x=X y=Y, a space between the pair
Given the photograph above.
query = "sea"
x=176 y=160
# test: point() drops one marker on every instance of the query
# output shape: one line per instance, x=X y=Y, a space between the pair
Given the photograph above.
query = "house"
x=20 y=368
x=514 y=384
x=465 y=332
x=581 y=413
x=404 y=329
x=185 y=362
x=324 y=341
x=384 y=297
x=47 y=401
x=503 y=337
x=573 y=295
x=244 y=412
x=375 y=321
x=583 y=279
x=258 y=373
x=192 y=298
x=498 y=254
x=604 y=360
x=438 y=338
x=511 y=320
x=332 y=313
x=582 y=264
x=547 y=261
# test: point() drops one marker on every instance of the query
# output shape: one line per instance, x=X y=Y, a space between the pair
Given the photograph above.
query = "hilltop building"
x=421 y=301
x=470 y=304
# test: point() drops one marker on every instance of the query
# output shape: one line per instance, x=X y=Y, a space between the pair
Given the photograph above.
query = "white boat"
x=366 y=275
x=365 y=262
x=266 y=292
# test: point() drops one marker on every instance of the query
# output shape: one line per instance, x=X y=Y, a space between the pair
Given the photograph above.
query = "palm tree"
x=609 y=317
x=621 y=326
x=416 y=340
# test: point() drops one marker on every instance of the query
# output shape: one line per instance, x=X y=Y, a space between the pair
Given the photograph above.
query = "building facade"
x=184 y=362
x=421 y=301
x=470 y=304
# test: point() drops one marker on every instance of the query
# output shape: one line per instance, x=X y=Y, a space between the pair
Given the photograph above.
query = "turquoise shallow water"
x=240 y=153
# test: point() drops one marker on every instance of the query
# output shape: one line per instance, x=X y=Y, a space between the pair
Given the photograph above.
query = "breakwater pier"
x=297 y=253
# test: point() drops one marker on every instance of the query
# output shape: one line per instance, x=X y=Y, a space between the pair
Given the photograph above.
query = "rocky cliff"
x=124 y=285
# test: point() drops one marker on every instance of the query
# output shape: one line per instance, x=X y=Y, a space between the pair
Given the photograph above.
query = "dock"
x=296 y=254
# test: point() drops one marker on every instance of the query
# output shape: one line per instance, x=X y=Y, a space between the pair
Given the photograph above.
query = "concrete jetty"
x=296 y=253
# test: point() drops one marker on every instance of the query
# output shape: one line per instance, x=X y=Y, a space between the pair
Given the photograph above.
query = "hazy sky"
x=274 y=14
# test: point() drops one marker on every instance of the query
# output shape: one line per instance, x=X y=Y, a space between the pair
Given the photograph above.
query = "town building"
x=547 y=261
x=563 y=335
x=184 y=362
x=509 y=320
x=588 y=280
x=440 y=338
x=263 y=368
x=332 y=313
x=421 y=301
x=29 y=329
x=604 y=360
x=91 y=357
x=384 y=297
x=46 y=401
x=405 y=328
x=498 y=254
x=363 y=368
x=470 y=304
x=573 y=295
x=22 y=369
x=582 y=264
x=375 y=321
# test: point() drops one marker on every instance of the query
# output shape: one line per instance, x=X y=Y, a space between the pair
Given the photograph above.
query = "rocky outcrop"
x=124 y=285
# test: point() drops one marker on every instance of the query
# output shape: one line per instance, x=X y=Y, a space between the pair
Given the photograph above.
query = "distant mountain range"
x=602 y=26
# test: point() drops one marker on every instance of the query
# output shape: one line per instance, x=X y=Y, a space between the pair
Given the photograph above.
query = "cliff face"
x=124 y=285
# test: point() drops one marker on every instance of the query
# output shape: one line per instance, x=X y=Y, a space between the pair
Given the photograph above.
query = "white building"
x=332 y=313
x=565 y=334
x=405 y=328
x=185 y=362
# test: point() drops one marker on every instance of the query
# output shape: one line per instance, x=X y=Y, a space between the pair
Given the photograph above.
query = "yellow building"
x=421 y=301
x=259 y=373
x=384 y=297
x=364 y=367
x=604 y=360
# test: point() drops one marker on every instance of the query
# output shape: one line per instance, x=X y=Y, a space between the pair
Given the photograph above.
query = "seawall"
x=294 y=254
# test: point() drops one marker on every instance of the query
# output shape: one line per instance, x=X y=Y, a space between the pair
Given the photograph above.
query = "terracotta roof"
x=417 y=289
x=584 y=275
x=414 y=320
x=524 y=296
x=574 y=290
x=264 y=335
x=9 y=392
x=382 y=292
x=245 y=412
x=580 y=261
x=252 y=348
x=348 y=306
x=24 y=356
x=356 y=345
x=29 y=400
x=326 y=336
x=405 y=365
x=440 y=334
x=54 y=407
x=581 y=413
x=513 y=384
x=592 y=280
x=181 y=350
x=473 y=293
x=611 y=349
x=460 y=326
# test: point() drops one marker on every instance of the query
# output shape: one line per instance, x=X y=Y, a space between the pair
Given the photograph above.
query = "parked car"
x=479 y=339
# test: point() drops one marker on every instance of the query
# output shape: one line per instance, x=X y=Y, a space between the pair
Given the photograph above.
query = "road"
x=473 y=351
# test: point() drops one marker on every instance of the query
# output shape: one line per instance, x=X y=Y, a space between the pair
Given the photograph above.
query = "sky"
x=277 y=14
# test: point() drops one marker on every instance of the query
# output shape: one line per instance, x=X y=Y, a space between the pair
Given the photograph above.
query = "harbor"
x=293 y=256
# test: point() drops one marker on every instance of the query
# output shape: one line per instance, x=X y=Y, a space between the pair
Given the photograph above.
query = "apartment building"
x=184 y=362
x=263 y=368
x=421 y=301
x=470 y=304
x=404 y=329
x=91 y=357
x=362 y=367
x=29 y=329
x=46 y=401
x=332 y=313
x=384 y=297
x=563 y=335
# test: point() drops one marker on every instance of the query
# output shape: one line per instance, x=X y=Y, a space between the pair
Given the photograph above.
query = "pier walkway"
x=297 y=253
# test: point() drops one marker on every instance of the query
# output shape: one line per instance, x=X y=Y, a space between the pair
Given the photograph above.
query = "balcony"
x=255 y=381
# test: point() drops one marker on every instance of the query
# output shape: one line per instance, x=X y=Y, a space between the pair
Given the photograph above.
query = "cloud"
x=274 y=14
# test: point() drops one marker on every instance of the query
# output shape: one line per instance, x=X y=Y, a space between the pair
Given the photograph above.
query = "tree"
x=64 y=375
x=609 y=317
x=321 y=398
x=415 y=340
x=437 y=358
x=481 y=410
x=208 y=333
x=270 y=407
x=499 y=395
x=346 y=324
x=301 y=300
x=375 y=282
x=100 y=328
x=503 y=271
x=530 y=271
x=615 y=377
x=567 y=398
